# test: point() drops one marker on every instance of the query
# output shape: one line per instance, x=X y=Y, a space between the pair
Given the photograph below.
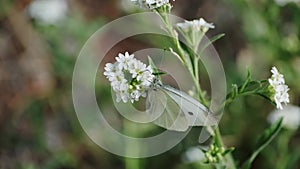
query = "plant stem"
x=231 y=99
x=229 y=161
x=130 y=163
x=193 y=67
x=172 y=33
x=195 y=60
x=197 y=83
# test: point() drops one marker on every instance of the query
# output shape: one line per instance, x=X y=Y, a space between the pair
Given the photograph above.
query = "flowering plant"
x=131 y=79
x=277 y=84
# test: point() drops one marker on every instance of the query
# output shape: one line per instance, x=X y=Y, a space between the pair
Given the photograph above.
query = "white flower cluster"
x=277 y=82
x=197 y=24
x=290 y=114
x=152 y=4
x=129 y=77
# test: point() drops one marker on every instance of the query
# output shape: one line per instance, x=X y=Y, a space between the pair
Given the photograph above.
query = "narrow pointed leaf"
x=263 y=141
x=212 y=40
x=155 y=70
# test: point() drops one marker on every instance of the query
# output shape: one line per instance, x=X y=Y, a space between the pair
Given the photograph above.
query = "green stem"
x=197 y=83
x=130 y=163
x=193 y=67
x=231 y=99
x=172 y=33
x=229 y=161
x=194 y=73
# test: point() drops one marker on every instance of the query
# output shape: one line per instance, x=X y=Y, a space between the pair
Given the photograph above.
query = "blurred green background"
x=40 y=41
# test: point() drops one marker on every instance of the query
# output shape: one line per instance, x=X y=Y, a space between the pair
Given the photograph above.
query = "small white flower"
x=109 y=70
x=156 y=3
x=196 y=25
x=276 y=76
x=152 y=4
x=290 y=114
x=129 y=77
x=124 y=60
x=279 y=88
x=135 y=95
x=122 y=92
x=148 y=76
x=194 y=30
x=137 y=68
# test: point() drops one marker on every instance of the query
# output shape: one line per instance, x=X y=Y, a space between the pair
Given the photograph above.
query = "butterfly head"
x=156 y=83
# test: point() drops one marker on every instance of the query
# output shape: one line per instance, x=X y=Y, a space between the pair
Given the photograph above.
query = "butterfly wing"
x=195 y=113
x=167 y=111
x=155 y=104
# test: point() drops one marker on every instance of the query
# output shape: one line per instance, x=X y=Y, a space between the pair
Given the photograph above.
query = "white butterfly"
x=175 y=110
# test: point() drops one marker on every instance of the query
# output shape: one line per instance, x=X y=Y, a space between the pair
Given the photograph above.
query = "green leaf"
x=253 y=86
x=267 y=98
x=246 y=82
x=155 y=70
x=234 y=91
x=263 y=141
x=212 y=40
x=159 y=73
x=229 y=150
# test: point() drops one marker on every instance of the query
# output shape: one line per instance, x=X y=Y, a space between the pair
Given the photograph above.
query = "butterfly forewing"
x=155 y=104
x=195 y=113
